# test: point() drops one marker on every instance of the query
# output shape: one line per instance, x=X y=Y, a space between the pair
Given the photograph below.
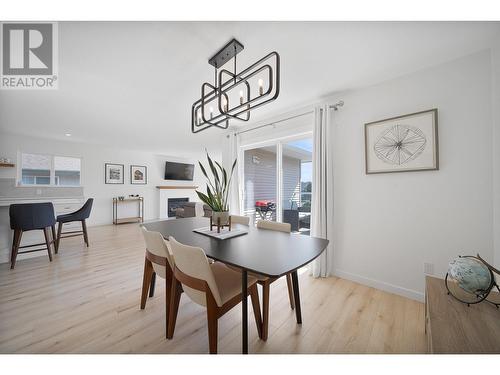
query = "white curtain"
x=322 y=189
x=232 y=148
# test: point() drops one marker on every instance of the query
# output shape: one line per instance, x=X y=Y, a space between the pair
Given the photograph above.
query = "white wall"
x=495 y=65
x=388 y=225
x=94 y=157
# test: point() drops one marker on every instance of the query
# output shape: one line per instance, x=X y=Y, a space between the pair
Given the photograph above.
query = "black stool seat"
x=80 y=215
x=31 y=216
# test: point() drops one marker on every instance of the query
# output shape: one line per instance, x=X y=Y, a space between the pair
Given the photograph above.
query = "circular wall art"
x=399 y=144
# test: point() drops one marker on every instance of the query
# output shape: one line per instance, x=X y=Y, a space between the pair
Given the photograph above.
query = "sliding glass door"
x=277 y=181
x=297 y=184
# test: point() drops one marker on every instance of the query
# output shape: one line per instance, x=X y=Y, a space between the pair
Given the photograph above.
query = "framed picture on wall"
x=138 y=174
x=402 y=144
x=113 y=173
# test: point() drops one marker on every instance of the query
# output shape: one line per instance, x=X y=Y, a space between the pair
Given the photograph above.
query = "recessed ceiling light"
x=67 y=134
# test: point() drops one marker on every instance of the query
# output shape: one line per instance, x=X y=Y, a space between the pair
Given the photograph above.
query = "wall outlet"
x=429 y=268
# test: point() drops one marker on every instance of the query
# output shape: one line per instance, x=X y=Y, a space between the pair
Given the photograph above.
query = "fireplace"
x=173 y=204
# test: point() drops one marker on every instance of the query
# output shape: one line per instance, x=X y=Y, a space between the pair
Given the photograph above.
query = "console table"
x=453 y=327
x=131 y=219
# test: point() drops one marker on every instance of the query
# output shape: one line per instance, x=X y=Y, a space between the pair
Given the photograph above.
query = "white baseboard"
x=382 y=285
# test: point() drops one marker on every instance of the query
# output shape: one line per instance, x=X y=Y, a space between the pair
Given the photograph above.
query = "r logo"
x=27 y=49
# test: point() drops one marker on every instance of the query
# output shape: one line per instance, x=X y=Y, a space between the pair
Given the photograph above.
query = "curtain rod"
x=274 y=122
x=335 y=106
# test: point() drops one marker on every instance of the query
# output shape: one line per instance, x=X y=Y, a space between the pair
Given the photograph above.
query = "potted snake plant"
x=218 y=186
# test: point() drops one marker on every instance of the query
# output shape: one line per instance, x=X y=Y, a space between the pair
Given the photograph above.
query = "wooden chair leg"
x=146 y=279
x=152 y=285
x=212 y=323
x=254 y=294
x=168 y=292
x=16 y=241
x=85 y=234
x=175 y=297
x=266 y=286
x=290 y=290
x=54 y=238
x=47 y=241
x=59 y=231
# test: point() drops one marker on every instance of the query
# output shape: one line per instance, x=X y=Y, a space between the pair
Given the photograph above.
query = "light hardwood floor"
x=87 y=301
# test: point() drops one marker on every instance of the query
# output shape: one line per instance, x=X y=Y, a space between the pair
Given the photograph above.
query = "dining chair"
x=267 y=281
x=31 y=216
x=214 y=286
x=158 y=261
x=81 y=215
x=244 y=220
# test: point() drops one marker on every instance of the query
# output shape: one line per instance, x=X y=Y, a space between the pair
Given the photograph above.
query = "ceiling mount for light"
x=234 y=94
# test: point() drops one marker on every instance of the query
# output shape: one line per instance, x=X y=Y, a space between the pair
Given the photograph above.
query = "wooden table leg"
x=244 y=311
x=296 y=295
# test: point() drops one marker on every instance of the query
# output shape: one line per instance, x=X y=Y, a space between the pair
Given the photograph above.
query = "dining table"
x=262 y=251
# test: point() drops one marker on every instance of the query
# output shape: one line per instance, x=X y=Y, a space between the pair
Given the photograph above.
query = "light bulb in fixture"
x=241 y=97
x=211 y=113
x=199 y=118
x=224 y=103
x=261 y=86
x=67 y=134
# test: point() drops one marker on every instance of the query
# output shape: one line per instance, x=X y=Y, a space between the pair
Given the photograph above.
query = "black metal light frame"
x=225 y=81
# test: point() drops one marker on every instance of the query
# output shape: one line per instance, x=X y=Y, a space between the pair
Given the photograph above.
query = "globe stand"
x=483 y=294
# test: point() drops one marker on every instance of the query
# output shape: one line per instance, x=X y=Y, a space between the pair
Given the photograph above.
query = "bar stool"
x=80 y=215
x=31 y=216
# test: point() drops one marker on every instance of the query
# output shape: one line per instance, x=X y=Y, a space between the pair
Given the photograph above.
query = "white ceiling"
x=132 y=84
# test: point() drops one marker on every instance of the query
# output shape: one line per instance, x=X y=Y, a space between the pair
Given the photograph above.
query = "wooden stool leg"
x=146 y=279
x=54 y=238
x=47 y=242
x=59 y=231
x=16 y=241
x=290 y=290
x=85 y=234
x=265 y=309
x=254 y=294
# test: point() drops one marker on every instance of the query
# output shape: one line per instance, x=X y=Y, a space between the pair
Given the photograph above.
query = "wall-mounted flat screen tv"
x=179 y=171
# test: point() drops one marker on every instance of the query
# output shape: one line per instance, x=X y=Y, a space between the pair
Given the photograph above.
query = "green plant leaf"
x=214 y=172
x=205 y=199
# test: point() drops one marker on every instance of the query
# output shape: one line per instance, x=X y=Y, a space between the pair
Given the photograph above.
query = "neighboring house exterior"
x=36 y=170
x=260 y=178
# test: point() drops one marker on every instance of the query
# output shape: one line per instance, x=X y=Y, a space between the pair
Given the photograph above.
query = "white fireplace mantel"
x=175 y=191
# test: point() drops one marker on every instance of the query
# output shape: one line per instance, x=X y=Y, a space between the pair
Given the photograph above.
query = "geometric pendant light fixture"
x=234 y=94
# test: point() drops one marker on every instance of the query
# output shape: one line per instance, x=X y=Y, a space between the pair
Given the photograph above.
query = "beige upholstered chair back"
x=273 y=225
x=157 y=245
x=193 y=262
x=244 y=220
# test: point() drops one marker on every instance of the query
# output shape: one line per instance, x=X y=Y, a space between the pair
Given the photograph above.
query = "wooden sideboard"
x=453 y=327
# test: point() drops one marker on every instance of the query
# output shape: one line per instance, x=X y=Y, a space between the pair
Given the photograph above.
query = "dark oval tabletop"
x=267 y=252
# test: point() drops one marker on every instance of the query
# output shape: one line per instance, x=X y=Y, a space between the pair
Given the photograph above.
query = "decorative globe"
x=471 y=275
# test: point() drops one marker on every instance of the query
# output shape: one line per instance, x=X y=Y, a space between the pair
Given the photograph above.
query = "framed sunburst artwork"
x=406 y=143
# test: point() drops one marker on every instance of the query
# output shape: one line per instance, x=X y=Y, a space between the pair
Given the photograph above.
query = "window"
x=49 y=170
